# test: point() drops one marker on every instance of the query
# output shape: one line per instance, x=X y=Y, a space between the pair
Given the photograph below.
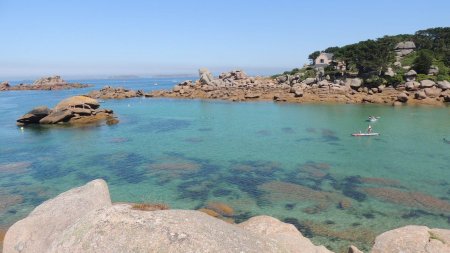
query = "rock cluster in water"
x=237 y=86
x=109 y=92
x=45 y=83
x=74 y=110
x=84 y=220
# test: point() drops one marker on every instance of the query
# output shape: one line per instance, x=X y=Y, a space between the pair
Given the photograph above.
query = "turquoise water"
x=291 y=161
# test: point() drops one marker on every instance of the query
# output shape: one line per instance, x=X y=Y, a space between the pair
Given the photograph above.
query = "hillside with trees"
x=386 y=60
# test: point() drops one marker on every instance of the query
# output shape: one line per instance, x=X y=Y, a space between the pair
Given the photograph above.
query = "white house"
x=323 y=60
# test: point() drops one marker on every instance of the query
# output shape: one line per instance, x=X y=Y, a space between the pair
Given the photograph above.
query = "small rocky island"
x=85 y=220
x=73 y=110
x=45 y=83
x=109 y=92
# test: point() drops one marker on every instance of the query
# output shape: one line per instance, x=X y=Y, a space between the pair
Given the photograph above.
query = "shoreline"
x=237 y=86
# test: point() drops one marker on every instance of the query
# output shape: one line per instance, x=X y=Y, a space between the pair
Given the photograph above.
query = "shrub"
x=308 y=74
x=409 y=59
x=395 y=80
x=374 y=81
x=442 y=77
x=421 y=77
x=423 y=61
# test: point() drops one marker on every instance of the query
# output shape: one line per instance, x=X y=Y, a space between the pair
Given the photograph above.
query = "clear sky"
x=95 y=38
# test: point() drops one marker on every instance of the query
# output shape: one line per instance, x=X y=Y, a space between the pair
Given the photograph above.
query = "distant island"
x=44 y=83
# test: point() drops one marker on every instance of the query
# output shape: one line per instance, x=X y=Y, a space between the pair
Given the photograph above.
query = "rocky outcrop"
x=434 y=70
x=237 y=86
x=51 y=80
x=427 y=84
x=354 y=82
x=45 y=83
x=389 y=72
x=85 y=220
x=34 y=116
x=73 y=110
x=402 y=97
x=445 y=85
x=404 y=48
x=411 y=76
x=109 y=92
x=4 y=86
x=418 y=239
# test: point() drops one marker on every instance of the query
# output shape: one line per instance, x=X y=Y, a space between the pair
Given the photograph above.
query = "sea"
x=296 y=162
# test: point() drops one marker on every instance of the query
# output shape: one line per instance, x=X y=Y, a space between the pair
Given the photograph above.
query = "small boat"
x=373 y=118
x=365 y=134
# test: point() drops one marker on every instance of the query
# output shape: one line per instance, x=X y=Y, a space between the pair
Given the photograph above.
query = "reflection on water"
x=236 y=160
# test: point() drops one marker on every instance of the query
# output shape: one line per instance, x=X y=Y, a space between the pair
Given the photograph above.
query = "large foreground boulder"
x=122 y=229
x=417 y=239
x=84 y=220
x=46 y=222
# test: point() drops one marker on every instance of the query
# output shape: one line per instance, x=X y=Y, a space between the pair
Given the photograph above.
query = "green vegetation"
x=423 y=61
x=370 y=59
x=408 y=60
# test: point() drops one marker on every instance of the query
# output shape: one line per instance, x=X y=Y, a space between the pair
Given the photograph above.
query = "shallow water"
x=291 y=161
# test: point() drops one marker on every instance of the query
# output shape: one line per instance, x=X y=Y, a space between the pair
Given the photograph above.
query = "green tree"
x=370 y=57
x=313 y=56
x=331 y=50
x=423 y=61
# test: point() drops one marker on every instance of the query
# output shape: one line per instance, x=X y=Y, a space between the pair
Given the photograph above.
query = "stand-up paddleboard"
x=365 y=134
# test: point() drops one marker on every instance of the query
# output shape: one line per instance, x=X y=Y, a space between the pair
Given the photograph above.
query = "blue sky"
x=95 y=38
